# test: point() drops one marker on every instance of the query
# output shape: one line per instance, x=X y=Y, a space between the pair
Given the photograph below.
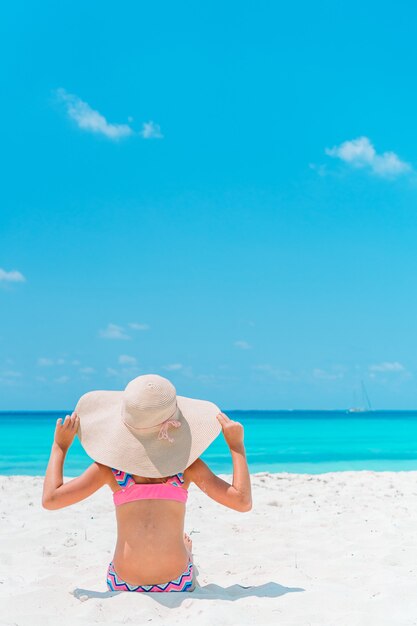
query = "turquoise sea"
x=276 y=441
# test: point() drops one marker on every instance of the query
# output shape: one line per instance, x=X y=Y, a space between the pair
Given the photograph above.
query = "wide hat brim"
x=108 y=440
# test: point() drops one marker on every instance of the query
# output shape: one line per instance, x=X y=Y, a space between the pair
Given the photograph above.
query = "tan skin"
x=151 y=547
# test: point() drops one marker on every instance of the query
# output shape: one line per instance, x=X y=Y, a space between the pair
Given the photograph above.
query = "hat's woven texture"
x=148 y=401
x=120 y=428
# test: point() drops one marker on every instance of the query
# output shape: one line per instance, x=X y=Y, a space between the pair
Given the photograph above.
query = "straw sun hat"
x=146 y=429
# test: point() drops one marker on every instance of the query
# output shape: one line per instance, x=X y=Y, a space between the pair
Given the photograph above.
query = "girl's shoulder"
x=110 y=475
x=193 y=470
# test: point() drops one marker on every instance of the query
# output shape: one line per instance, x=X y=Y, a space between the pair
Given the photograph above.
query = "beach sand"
x=326 y=550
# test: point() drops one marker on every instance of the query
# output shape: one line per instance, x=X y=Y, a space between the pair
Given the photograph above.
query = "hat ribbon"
x=163 y=431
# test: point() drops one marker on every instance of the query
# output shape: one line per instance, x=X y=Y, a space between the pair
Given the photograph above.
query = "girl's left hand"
x=66 y=430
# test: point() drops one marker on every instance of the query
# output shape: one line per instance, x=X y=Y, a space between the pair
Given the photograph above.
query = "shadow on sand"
x=208 y=592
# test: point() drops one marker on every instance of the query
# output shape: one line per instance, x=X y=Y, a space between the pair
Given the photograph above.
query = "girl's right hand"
x=232 y=431
x=66 y=430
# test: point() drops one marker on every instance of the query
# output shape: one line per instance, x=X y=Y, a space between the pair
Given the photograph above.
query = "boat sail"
x=366 y=403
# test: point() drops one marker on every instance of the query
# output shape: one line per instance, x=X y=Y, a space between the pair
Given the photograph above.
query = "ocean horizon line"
x=344 y=411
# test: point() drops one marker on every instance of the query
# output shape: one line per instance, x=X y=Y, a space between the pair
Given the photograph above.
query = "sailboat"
x=366 y=403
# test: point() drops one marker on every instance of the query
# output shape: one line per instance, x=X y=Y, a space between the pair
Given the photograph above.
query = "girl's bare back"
x=150 y=537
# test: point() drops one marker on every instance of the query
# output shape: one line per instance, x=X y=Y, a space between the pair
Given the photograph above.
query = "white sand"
x=329 y=550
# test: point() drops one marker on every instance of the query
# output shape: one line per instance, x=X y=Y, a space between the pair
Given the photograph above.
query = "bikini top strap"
x=126 y=480
x=123 y=478
x=176 y=480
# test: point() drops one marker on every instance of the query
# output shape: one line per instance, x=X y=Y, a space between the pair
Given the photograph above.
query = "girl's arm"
x=238 y=495
x=56 y=494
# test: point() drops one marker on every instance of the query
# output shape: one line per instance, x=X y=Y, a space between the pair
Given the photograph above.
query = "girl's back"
x=150 y=534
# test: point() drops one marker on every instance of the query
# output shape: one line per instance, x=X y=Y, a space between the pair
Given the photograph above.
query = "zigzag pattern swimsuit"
x=130 y=491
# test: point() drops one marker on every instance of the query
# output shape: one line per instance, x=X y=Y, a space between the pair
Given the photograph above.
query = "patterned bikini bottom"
x=184 y=582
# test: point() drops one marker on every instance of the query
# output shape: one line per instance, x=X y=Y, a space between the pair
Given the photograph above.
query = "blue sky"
x=223 y=194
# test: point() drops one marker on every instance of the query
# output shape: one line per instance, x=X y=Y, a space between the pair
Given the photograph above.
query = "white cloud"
x=87 y=370
x=113 y=331
x=207 y=378
x=124 y=373
x=150 y=130
x=90 y=120
x=10 y=378
x=137 y=326
x=45 y=362
x=187 y=371
x=242 y=345
x=11 y=374
x=62 y=380
x=172 y=367
x=274 y=372
x=11 y=277
x=387 y=366
x=361 y=153
x=326 y=375
x=125 y=359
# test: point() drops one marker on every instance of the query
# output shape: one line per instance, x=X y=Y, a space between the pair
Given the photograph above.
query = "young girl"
x=149 y=473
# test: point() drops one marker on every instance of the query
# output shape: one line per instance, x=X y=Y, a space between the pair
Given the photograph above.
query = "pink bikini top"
x=131 y=491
